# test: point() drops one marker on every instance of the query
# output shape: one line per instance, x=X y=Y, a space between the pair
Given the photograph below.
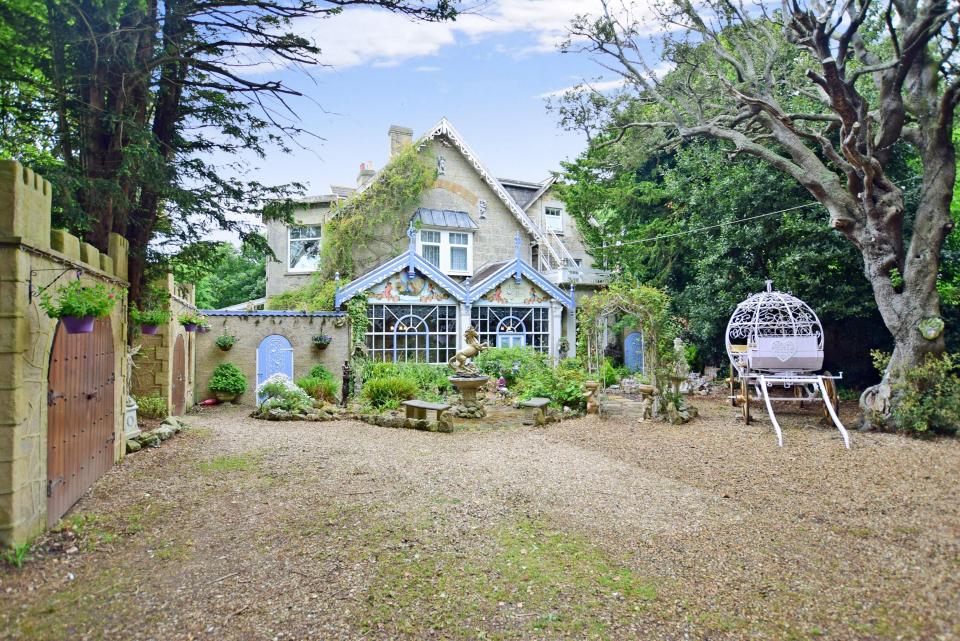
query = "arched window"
x=412 y=333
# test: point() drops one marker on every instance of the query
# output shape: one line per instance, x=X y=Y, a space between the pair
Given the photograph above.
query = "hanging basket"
x=190 y=327
x=149 y=329
x=322 y=341
x=78 y=324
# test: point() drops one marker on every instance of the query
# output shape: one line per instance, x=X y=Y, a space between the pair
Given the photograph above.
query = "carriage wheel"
x=745 y=402
x=832 y=394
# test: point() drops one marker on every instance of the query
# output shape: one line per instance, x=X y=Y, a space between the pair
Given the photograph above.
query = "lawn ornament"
x=774 y=339
x=459 y=361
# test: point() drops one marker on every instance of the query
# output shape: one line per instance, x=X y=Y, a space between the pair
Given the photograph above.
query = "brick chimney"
x=400 y=137
x=366 y=173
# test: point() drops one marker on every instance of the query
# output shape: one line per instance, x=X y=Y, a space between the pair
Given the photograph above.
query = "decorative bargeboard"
x=774 y=339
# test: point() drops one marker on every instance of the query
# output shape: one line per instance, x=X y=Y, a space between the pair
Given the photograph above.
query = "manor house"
x=500 y=254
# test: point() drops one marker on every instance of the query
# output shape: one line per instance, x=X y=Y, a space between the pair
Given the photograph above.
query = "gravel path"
x=240 y=529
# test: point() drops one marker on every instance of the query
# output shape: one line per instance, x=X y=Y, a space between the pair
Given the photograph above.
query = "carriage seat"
x=786 y=353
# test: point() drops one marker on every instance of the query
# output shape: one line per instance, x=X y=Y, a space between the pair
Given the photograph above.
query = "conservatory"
x=417 y=313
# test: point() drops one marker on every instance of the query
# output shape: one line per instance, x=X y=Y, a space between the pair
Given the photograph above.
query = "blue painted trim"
x=407 y=260
x=271 y=312
x=517 y=267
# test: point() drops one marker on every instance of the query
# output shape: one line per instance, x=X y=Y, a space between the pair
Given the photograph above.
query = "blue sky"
x=487 y=73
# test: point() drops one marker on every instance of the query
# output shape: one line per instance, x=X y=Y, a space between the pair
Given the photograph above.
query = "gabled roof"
x=518 y=268
x=544 y=186
x=444 y=218
x=408 y=260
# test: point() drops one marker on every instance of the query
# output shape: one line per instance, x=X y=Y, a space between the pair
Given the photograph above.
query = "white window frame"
x=558 y=217
x=290 y=241
x=445 y=250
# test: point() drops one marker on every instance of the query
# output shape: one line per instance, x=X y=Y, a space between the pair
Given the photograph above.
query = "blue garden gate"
x=633 y=352
x=274 y=356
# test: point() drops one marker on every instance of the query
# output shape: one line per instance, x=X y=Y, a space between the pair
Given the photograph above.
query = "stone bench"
x=537 y=407
x=417 y=410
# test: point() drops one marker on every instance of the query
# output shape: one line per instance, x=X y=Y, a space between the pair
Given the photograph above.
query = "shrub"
x=322 y=389
x=513 y=363
x=563 y=385
x=928 y=400
x=153 y=406
x=79 y=300
x=321 y=372
x=279 y=392
x=228 y=379
x=226 y=341
x=431 y=381
x=149 y=317
x=386 y=393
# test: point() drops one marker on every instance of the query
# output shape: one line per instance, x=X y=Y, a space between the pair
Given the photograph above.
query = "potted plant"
x=203 y=327
x=190 y=322
x=226 y=341
x=227 y=382
x=322 y=340
x=149 y=320
x=79 y=305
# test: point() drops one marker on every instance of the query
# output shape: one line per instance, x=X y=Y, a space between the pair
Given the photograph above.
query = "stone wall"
x=154 y=368
x=252 y=327
x=31 y=251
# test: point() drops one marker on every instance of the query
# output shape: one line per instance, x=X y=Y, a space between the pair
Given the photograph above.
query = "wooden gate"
x=179 y=389
x=80 y=415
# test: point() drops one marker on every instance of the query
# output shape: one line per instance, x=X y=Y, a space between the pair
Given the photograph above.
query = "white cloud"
x=366 y=36
x=427 y=69
x=600 y=85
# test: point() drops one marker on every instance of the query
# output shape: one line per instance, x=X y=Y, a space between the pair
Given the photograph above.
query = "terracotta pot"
x=149 y=329
x=78 y=324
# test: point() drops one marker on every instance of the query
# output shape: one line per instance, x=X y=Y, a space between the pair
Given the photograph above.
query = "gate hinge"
x=112 y=438
x=52 y=483
x=52 y=397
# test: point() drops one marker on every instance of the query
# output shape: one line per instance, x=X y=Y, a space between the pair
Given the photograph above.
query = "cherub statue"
x=458 y=362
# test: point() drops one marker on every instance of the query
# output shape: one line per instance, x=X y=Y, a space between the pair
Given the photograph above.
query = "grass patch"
x=534 y=580
x=227 y=463
x=16 y=555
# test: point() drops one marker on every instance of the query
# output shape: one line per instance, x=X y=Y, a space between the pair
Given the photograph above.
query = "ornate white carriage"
x=774 y=339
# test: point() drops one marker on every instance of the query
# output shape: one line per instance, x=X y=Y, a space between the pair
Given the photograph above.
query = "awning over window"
x=444 y=218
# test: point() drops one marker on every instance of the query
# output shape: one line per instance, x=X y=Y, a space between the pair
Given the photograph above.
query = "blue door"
x=633 y=352
x=274 y=356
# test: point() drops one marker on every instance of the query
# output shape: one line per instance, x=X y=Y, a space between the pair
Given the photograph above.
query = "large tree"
x=824 y=92
x=142 y=94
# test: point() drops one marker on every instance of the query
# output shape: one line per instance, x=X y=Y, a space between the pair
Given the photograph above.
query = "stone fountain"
x=467 y=379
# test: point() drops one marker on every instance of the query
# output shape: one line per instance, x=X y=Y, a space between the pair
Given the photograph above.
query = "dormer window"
x=449 y=251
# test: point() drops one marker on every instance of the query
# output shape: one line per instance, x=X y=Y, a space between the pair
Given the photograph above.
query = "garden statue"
x=467 y=378
x=461 y=368
x=593 y=404
x=131 y=427
x=681 y=370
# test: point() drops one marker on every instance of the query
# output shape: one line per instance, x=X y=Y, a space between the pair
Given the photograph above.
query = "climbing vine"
x=356 y=309
x=374 y=222
x=648 y=305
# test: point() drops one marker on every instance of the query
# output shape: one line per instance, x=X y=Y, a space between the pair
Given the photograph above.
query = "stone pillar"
x=556 y=330
x=463 y=322
x=572 y=332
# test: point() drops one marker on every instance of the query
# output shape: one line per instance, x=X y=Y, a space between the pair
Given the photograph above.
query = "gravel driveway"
x=609 y=529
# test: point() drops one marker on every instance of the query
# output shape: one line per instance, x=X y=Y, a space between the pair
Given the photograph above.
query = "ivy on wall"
x=374 y=222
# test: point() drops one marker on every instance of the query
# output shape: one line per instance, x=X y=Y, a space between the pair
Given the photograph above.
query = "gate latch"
x=52 y=397
x=52 y=483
